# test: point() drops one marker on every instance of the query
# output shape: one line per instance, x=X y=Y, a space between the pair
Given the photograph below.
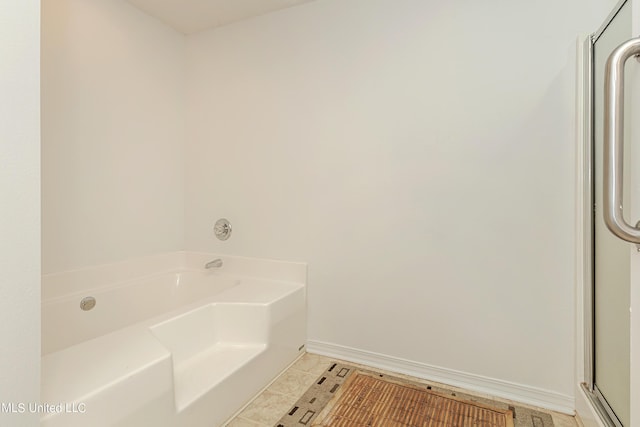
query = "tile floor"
x=268 y=407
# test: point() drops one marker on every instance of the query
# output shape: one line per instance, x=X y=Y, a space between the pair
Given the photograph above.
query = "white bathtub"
x=185 y=347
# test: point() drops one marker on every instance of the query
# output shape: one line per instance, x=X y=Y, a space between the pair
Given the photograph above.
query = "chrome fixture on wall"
x=87 y=303
x=222 y=229
x=216 y=263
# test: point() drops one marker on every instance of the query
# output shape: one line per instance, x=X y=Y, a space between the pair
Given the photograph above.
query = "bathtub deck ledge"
x=136 y=371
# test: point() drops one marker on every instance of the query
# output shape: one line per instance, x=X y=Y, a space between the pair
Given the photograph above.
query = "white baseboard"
x=517 y=392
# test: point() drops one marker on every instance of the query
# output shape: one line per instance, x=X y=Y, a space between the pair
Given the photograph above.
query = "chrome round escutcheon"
x=222 y=229
x=87 y=303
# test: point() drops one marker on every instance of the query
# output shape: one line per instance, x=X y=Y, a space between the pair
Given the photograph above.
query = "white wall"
x=19 y=207
x=419 y=155
x=113 y=133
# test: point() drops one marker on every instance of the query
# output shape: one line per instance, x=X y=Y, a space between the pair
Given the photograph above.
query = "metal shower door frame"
x=607 y=416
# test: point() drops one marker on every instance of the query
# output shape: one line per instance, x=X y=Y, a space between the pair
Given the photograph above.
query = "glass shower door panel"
x=611 y=255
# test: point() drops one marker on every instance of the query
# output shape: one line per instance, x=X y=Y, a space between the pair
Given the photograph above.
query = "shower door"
x=615 y=197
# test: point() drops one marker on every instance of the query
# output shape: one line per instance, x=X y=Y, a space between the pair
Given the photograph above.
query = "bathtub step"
x=196 y=376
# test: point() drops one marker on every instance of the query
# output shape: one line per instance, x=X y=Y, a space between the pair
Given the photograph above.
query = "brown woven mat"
x=366 y=400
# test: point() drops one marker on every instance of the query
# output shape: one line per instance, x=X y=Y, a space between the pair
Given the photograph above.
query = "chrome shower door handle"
x=614 y=142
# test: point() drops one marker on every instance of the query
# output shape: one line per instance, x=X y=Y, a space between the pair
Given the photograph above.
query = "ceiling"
x=190 y=16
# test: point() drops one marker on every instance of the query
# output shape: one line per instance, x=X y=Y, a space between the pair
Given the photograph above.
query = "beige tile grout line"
x=239 y=411
x=294 y=397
